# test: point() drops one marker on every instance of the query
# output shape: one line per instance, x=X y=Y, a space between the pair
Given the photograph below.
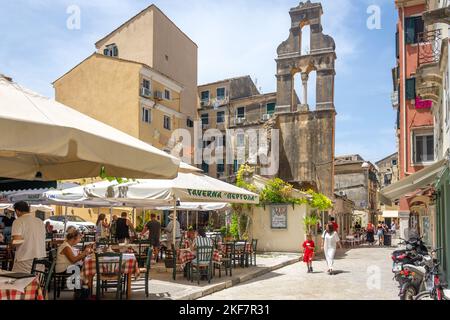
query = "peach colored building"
x=415 y=124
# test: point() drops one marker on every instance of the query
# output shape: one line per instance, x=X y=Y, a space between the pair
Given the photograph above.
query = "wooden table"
x=33 y=291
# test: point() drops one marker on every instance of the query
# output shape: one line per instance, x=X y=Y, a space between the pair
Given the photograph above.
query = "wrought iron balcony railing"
x=429 y=47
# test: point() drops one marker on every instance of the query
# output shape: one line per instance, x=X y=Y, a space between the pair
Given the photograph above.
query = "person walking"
x=370 y=231
x=28 y=236
x=123 y=227
x=169 y=231
x=329 y=244
x=380 y=234
x=154 y=229
x=101 y=229
x=308 y=252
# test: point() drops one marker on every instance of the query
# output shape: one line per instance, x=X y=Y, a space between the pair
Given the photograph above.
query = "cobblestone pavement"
x=362 y=274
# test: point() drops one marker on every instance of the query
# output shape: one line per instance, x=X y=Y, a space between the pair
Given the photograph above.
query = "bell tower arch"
x=321 y=59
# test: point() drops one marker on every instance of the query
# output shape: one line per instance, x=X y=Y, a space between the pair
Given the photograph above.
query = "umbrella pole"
x=174 y=221
x=110 y=213
x=134 y=216
x=65 y=219
x=196 y=221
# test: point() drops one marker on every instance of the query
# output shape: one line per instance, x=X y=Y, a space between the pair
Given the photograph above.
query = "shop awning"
x=390 y=214
x=412 y=183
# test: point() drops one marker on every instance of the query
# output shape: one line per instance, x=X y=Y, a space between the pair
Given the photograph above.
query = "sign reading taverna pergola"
x=220 y=196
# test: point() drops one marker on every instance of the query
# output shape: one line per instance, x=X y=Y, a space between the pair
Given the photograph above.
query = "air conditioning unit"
x=240 y=120
x=204 y=103
x=266 y=117
x=146 y=92
x=158 y=95
x=205 y=126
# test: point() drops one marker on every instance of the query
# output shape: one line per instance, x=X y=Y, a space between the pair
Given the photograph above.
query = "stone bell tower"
x=307 y=134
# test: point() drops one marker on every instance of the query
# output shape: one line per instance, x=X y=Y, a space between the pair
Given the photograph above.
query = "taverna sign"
x=219 y=196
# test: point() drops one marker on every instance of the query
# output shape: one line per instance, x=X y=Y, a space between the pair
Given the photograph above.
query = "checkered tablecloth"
x=239 y=247
x=32 y=292
x=186 y=255
x=129 y=266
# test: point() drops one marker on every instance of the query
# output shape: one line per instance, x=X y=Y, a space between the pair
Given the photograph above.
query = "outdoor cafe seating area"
x=110 y=270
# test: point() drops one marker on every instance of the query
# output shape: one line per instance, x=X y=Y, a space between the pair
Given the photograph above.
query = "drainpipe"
x=405 y=156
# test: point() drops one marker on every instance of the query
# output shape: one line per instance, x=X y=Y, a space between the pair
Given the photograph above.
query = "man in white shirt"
x=169 y=230
x=28 y=235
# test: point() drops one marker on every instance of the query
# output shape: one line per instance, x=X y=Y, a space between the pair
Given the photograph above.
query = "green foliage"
x=225 y=233
x=104 y=176
x=234 y=227
x=140 y=227
x=310 y=223
x=319 y=201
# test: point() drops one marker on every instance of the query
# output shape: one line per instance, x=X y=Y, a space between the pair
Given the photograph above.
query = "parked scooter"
x=436 y=289
x=415 y=277
x=415 y=250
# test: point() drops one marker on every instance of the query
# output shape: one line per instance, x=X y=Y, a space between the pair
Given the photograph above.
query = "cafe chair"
x=225 y=260
x=109 y=273
x=142 y=254
x=240 y=253
x=6 y=257
x=171 y=261
x=146 y=268
x=252 y=253
x=43 y=269
x=202 y=261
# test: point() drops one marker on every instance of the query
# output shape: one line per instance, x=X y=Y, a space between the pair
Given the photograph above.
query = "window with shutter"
x=397 y=44
x=205 y=118
x=270 y=108
x=221 y=117
x=115 y=51
x=413 y=27
x=411 y=88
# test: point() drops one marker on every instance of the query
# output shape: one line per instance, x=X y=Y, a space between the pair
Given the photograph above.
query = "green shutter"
x=270 y=108
x=410 y=89
x=410 y=33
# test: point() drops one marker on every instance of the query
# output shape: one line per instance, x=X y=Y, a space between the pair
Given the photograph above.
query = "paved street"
x=363 y=274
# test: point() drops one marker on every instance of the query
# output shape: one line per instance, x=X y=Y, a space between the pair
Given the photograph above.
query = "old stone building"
x=357 y=179
x=306 y=132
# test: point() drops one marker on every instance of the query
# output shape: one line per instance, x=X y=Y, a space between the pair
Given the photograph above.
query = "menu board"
x=279 y=216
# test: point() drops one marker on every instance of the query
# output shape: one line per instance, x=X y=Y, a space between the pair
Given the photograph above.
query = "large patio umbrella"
x=188 y=187
x=44 y=139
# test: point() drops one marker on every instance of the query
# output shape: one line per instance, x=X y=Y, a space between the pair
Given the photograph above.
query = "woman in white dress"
x=330 y=242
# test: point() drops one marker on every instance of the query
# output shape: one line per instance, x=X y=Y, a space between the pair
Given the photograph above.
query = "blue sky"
x=235 y=37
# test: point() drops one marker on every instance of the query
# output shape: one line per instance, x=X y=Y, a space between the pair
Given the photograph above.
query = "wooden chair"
x=6 y=257
x=253 y=252
x=239 y=253
x=202 y=261
x=146 y=268
x=143 y=252
x=109 y=273
x=225 y=261
x=43 y=268
x=171 y=261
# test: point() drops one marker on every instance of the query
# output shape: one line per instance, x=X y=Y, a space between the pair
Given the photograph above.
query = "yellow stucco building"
x=142 y=80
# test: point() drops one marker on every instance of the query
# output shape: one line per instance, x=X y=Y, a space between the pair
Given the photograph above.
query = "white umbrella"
x=44 y=139
x=189 y=187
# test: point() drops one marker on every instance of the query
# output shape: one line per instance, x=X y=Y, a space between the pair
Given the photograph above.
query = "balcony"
x=251 y=118
x=437 y=15
x=429 y=78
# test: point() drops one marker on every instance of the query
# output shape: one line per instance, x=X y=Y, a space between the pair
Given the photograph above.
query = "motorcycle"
x=435 y=288
x=414 y=277
x=415 y=250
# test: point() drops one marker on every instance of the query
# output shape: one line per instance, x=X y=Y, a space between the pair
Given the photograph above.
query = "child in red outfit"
x=308 y=253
